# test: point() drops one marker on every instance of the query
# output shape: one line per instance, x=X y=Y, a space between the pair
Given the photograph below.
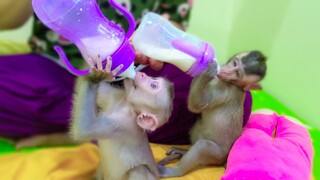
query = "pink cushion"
x=258 y=155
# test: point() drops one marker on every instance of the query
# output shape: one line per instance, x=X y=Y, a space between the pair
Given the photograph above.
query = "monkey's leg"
x=203 y=152
x=99 y=173
x=141 y=172
x=56 y=139
x=172 y=154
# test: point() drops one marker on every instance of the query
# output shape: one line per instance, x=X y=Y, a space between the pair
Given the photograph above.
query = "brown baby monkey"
x=119 y=118
x=219 y=98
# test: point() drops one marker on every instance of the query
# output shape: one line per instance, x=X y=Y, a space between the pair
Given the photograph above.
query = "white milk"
x=105 y=47
x=180 y=59
x=101 y=45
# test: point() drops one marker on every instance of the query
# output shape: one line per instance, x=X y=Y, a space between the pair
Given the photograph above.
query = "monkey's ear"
x=147 y=121
x=254 y=86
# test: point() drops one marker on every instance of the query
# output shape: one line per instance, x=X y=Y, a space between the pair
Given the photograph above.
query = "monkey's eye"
x=154 y=85
x=235 y=63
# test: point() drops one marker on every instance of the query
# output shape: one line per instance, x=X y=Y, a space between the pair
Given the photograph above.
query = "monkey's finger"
x=117 y=69
x=109 y=64
x=175 y=150
x=90 y=62
x=99 y=63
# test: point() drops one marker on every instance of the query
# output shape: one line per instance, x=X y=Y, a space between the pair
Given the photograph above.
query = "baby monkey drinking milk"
x=219 y=98
x=118 y=118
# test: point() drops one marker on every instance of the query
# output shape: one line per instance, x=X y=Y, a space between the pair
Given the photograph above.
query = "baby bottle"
x=157 y=38
x=82 y=22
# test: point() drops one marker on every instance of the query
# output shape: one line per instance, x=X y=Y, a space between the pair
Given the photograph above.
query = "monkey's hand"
x=211 y=70
x=98 y=72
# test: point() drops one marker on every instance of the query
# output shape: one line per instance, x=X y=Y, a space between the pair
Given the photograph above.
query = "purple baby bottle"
x=82 y=22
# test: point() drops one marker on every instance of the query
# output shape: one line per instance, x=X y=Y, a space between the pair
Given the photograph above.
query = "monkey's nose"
x=222 y=71
x=227 y=71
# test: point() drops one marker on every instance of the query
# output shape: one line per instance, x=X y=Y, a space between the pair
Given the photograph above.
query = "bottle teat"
x=218 y=66
x=129 y=72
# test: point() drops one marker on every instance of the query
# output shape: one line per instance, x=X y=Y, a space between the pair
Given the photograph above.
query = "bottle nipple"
x=129 y=72
x=218 y=66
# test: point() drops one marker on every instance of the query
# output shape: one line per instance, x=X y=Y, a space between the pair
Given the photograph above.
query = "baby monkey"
x=119 y=118
x=219 y=97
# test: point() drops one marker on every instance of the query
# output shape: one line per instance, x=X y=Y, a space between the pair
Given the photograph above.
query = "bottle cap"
x=201 y=63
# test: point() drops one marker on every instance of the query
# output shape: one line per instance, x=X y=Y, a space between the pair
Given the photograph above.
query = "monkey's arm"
x=86 y=122
x=206 y=91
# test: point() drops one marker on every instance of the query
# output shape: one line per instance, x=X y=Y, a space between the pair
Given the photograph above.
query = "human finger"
x=155 y=64
x=140 y=58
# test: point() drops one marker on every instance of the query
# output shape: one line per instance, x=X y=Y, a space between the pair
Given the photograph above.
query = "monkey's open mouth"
x=129 y=83
x=117 y=84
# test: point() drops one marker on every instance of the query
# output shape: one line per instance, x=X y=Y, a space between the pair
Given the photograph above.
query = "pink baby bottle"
x=158 y=38
x=82 y=22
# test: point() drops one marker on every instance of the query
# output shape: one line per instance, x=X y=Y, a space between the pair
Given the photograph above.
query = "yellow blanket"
x=76 y=163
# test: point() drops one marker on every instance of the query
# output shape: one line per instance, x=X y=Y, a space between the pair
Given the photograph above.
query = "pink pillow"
x=259 y=155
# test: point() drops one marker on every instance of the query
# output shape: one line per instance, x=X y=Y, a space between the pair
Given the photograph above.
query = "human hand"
x=98 y=72
x=145 y=60
x=142 y=59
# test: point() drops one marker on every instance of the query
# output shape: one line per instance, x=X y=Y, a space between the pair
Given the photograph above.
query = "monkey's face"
x=145 y=91
x=234 y=72
x=144 y=84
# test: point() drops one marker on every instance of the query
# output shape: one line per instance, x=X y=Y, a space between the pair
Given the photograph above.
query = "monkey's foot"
x=169 y=158
x=175 y=150
x=172 y=154
x=33 y=141
x=166 y=172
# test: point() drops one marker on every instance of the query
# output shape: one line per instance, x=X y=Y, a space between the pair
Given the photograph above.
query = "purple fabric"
x=36 y=98
x=247 y=108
